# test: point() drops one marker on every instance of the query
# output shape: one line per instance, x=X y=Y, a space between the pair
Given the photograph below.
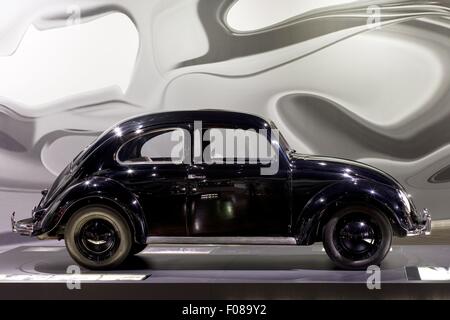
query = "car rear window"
x=160 y=146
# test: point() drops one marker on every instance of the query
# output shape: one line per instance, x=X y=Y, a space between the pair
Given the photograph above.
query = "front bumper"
x=424 y=228
x=24 y=227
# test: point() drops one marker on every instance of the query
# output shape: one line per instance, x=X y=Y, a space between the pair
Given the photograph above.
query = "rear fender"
x=97 y=191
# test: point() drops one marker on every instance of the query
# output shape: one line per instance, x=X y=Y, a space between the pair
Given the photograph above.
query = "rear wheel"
x=357 y=237
x=98 y=237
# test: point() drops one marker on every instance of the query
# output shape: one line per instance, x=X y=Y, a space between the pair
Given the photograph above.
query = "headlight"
x=405 y=200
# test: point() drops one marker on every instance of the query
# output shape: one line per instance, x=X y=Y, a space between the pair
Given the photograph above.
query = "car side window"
x=226 y=145
x=159 y=146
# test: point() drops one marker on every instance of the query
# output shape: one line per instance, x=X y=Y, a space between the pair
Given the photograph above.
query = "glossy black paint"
x=227 y=199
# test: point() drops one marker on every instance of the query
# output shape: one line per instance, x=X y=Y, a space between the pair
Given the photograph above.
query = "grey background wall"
x=333 y=84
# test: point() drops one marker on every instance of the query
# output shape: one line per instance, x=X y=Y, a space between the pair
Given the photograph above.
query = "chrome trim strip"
x=222 y=240
x=22 y=227
x=13 y=222
x=142 y=134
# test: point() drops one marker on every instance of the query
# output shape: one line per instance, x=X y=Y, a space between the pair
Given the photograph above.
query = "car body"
x=192 y=200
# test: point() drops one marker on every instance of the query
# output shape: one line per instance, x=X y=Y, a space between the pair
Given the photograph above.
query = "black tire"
x=98 y=237
x=137 y=248
x=357 y=237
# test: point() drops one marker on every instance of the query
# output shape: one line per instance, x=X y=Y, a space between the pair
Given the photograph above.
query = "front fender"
x=327 y=201
x=97 y=190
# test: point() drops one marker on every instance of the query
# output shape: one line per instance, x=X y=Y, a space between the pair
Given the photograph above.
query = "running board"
x=222 y=240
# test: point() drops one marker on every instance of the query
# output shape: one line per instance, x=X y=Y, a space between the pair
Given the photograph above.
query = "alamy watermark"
x=73 y=283
x=374 y=279
x=74 y=15
x=374 y=17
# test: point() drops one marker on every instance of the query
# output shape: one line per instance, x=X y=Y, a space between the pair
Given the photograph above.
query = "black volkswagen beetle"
x=217 y=177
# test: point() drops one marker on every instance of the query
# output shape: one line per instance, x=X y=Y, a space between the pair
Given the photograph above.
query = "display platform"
x=231 y=272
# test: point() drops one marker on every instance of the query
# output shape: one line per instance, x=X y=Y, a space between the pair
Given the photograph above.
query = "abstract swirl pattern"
x=367 y=80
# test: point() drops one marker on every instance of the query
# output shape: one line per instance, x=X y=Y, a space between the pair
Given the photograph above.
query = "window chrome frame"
x=127 y=163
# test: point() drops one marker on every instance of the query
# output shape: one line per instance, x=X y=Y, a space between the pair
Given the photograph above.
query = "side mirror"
x=44 y=192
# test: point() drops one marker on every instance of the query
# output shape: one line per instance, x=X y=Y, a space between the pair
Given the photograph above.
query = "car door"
x=228 y=195
x=155 y=169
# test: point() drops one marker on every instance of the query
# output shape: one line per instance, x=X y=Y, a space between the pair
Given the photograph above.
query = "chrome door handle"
x=194 y=176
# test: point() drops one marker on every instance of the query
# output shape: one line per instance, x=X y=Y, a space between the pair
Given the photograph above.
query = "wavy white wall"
x=333 y=85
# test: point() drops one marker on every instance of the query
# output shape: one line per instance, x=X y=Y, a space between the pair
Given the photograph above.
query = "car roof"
x=209 y=116
x=204 y=115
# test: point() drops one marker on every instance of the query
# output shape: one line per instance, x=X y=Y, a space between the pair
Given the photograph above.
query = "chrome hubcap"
x=97 y=239
x=357 y=237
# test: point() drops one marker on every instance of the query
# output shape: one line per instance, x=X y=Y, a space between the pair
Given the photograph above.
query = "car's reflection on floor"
x=212 y=263
x=224 y=271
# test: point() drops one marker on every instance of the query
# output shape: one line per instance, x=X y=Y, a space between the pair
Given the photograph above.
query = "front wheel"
x=98 y=237
x=357 y=237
